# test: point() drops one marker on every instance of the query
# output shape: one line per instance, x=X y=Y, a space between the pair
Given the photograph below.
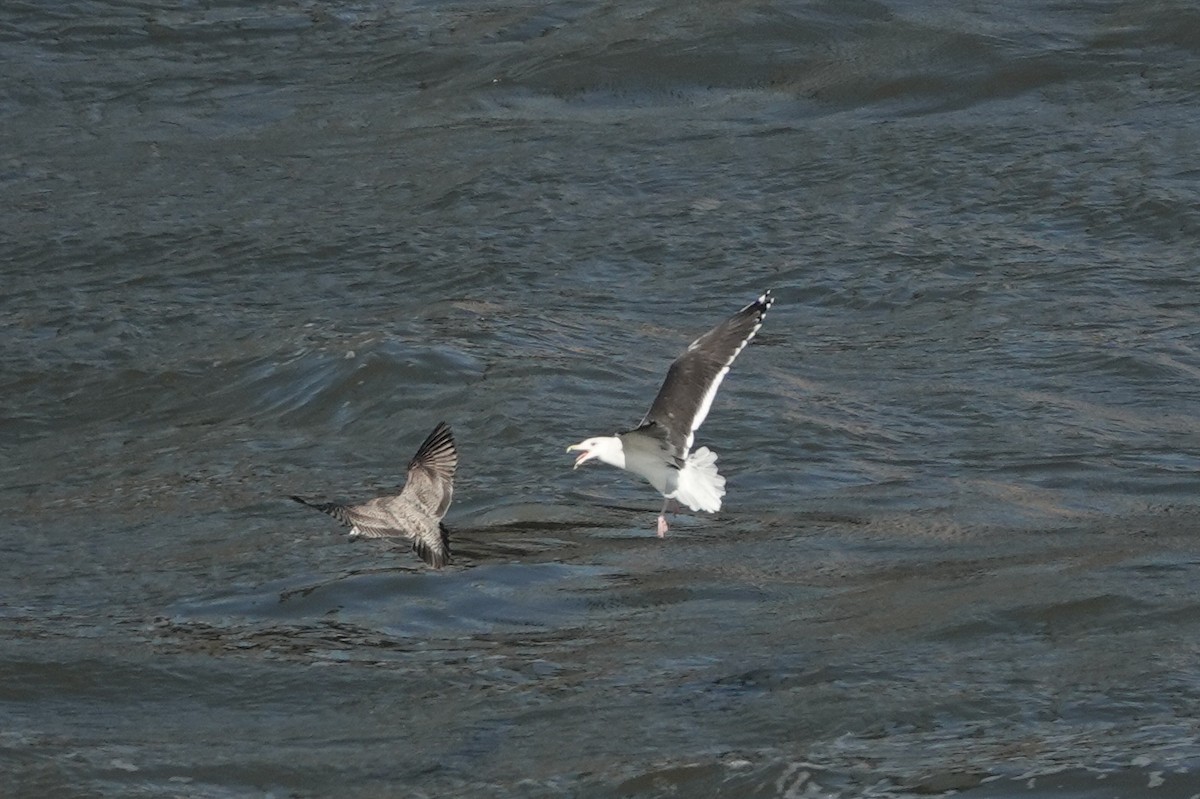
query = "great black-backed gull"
x=659 y=449
x=416 y=512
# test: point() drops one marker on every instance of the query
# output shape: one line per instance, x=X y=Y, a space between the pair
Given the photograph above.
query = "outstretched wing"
x=430 y=484
x=368 y=519
x=692 y=381
x=434 y=548
x=417 y=511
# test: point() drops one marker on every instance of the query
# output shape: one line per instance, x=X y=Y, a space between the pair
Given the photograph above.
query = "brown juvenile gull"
x=659 y=449
x=416 y=513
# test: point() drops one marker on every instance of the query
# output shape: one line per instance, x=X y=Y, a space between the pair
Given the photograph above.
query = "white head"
x=606 y=448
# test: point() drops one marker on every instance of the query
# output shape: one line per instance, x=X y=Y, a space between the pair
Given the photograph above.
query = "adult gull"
x=660 y=448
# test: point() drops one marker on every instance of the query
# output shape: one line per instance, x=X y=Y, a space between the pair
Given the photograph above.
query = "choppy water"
x=251 y=250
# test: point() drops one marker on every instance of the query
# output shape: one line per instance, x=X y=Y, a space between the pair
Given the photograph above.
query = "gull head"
x=605 y=448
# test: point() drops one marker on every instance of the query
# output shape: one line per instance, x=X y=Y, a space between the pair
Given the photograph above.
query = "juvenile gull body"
x=660 y=448
x=416 y=512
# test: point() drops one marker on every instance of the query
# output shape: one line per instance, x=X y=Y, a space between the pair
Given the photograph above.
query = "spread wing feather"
x=436 y=551
x=692 y=381
x=369 y=519
x=417 y=511
x=430 y=484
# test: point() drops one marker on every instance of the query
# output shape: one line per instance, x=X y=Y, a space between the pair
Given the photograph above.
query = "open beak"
x=584 y=454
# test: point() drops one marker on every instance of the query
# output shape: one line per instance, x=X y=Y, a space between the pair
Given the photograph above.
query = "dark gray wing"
x=692 y=381
x=430 y=484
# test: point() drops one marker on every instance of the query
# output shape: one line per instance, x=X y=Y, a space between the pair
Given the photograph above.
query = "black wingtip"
x=759 y=309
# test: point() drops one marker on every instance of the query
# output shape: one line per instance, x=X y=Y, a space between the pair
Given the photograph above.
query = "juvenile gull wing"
x=434 y=548
x=692 y=381
x=415 y=513
x=427 y=494
x=370 y=519
x=430 y=484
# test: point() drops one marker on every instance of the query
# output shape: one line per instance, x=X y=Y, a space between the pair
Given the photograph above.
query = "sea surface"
x=255 y=249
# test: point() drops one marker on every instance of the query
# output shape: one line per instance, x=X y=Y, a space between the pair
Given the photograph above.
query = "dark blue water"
x=255 y=250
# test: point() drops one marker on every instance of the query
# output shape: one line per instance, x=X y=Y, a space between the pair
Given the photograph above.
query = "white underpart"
x=700 y=486
x=697 y=485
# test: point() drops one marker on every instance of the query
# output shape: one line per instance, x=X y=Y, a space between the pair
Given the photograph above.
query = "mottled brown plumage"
x=416 y=512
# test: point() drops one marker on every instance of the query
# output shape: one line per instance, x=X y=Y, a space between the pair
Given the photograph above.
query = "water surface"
x=255 y=250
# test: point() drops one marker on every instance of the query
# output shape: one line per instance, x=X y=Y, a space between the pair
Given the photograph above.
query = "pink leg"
x=662 y=519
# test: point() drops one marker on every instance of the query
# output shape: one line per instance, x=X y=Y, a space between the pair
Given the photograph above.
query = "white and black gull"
x=660 y=448
x=416 y=512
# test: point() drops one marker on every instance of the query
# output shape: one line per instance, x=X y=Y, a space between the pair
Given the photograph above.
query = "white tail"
x=700 y=487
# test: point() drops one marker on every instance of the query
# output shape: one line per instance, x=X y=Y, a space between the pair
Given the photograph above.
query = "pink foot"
x=662 y=526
